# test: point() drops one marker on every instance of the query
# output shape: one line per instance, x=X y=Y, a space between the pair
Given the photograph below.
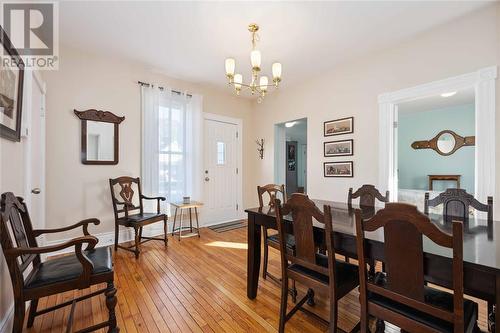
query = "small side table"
x=182 y=206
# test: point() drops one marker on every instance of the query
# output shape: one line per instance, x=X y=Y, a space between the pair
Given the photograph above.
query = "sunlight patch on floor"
x=229 y=245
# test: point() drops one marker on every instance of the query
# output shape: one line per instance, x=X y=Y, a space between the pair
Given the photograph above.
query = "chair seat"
x=139 y=218
x=69 y=268
x=437 y=298
x=346 y=275
x=274 y=241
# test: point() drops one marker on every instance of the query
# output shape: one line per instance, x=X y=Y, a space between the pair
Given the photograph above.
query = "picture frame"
x=342 y=169
x=11 y=92
x=338 y=148
x=338 y=126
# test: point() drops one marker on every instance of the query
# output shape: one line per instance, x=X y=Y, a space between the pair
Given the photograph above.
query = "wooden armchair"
x=80 y=270
x=138 y=219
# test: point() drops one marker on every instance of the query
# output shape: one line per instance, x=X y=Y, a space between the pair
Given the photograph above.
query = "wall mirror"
x=445 y=142
x=99 y=136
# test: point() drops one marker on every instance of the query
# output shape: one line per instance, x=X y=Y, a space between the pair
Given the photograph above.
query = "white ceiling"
x=462 y=97
x=190 y=40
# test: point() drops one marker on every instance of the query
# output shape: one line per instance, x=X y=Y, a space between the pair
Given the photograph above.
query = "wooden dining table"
x=481 y=250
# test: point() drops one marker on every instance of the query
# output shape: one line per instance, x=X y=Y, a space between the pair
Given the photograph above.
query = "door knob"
x=36 y=190
x=207 y=179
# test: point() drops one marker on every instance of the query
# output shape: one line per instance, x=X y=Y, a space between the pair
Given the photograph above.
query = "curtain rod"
x=161 y=88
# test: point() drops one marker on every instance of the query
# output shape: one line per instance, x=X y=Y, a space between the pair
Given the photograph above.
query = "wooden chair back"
x=367 y=195
x=404 y=228
x=126 y=191
x=272 y=190
x=16 y=231
x=303 y=211
x=456 y=204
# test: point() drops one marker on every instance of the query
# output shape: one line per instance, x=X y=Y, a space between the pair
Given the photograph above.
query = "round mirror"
x=446 y=143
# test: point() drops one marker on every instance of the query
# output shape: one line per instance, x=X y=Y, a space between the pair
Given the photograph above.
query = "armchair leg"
x=165 y=227
x=110 y=304
x=116 y=236
x=18 y=316
x=137 y=242
x=31 y=316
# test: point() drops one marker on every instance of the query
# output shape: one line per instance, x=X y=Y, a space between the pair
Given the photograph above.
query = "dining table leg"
x=253 y=257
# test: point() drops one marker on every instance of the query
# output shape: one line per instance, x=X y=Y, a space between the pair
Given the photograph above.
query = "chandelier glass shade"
x=259 y=84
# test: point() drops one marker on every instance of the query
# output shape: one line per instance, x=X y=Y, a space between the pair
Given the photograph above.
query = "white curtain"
x=171 y=144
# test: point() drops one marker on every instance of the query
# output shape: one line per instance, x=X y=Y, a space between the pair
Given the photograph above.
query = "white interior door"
x=36 y=153
x=220 y=172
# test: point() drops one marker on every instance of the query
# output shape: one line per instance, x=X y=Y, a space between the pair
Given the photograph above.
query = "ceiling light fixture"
x=290 y=124
x=258 y=84
x=448 y=94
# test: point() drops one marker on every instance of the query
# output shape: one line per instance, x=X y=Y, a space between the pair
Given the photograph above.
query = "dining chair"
x=319 y=273
x=367 y=195
x=273 y=191
x=456 y=204
x=33 y=279
x=130 y=212
x=400 y=295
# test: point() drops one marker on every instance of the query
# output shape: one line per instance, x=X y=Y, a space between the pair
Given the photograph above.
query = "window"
x=221 y=153
x=172 y=151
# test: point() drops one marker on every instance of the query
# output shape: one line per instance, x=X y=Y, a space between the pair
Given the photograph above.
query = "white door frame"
x=483 y=82
x=239 y=177
x=31 y=79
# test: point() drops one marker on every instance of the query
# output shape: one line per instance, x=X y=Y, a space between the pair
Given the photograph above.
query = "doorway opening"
x=290 y=155
x=431 y=153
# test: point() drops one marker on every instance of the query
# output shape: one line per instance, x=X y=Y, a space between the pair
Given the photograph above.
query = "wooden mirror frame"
x=460 y=142
x=101 y=116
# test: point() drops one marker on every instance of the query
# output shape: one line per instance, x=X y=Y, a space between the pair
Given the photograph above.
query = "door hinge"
x=395 y=124
x=236 y=206
x=236 y=170
x=236 y=134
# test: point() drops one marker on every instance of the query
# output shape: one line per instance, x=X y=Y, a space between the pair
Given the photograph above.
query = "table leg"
x=180 y=226
x=190 y=221
x=175 y=220
x=197 y=224
x=253 y=257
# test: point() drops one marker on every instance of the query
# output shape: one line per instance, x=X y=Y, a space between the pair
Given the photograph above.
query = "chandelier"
x=258 y=84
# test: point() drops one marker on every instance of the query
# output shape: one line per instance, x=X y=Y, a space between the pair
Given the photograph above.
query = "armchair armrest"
x=87 y=265
x=83 y=223
x=155 y=198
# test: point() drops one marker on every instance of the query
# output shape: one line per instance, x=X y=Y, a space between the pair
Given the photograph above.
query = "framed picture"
x=338 y=169
x=338 y=148
x=11 y=91
x=338 y=126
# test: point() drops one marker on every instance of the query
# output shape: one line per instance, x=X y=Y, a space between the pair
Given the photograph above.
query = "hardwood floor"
x=196 y=285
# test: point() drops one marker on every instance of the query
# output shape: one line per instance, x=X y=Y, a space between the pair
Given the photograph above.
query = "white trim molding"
x=483 y=83
x=7 y=320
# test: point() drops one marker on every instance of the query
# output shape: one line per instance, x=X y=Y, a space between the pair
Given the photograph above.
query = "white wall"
x=351 y=89
x=83 y=81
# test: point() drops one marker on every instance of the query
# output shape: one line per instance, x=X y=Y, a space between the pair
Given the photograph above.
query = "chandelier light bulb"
x=276 y=69
x=263 y=83
x=230 y=66
x=255 y=59
x=238 y=80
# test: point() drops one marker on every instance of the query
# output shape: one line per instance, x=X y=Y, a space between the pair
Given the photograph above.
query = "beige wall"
x=84 y=80
x=352 y=88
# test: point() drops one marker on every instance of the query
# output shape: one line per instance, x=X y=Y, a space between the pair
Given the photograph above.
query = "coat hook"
x=260 y=143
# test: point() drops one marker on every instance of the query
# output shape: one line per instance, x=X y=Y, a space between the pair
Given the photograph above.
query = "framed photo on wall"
x=338 y=169
x=11 y=90
x=338 y=126
x=338 y=148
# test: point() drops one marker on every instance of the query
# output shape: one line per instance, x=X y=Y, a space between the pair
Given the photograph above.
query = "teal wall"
x=415 y=165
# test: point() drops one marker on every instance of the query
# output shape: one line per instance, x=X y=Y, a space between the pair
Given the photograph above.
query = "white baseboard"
x=6 y=321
